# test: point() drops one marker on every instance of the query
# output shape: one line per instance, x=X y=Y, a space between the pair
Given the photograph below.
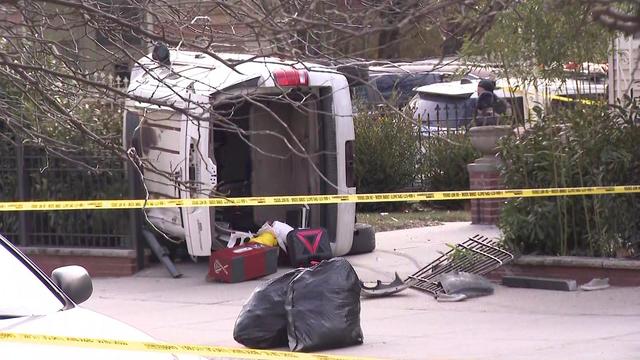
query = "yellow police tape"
x=202 y=350
x=314 y=199
x=583 y=101
x=517 y=91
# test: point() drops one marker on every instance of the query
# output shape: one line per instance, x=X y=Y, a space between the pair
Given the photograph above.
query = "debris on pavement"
x=442 y=297
x=531 y=282
x=236 y=238
x=274 y=234
x=383 y=289
x=308 y=246
x=595 y=284
x=281 y=230
x=231 y=237
x=478 y=255
x=242 y=263
x=469 y=285
x=266 y=238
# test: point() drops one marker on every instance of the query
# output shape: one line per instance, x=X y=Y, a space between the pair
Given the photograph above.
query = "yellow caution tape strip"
x=314 y=199
x=202 y=350
x=568 y=99
x=558 y=97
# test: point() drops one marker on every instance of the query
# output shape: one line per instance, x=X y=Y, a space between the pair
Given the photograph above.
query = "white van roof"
x=462 y=89
x=452 y=88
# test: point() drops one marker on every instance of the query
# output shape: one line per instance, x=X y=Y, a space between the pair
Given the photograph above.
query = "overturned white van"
x=263 y=127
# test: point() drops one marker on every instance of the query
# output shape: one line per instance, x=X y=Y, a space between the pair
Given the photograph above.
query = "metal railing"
x=444 y=118
x=29 y=173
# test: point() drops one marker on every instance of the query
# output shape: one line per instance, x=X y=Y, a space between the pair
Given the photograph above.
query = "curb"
x=581 y=269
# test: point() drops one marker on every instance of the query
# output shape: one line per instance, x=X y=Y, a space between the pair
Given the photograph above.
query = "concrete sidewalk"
x=511 y=324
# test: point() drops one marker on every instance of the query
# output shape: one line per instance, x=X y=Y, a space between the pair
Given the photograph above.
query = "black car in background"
x=394 y=88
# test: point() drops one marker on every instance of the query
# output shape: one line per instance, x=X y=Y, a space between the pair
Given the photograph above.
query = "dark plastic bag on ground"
x=262 y=322
x=323 y=307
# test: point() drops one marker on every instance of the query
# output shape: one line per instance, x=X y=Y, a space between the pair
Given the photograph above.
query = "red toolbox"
x=241 y=263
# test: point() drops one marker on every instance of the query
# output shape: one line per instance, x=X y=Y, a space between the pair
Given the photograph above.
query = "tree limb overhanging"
x=60 y=58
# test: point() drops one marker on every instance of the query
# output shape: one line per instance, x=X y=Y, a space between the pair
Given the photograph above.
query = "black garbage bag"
x=323 y=307
x=262 y=322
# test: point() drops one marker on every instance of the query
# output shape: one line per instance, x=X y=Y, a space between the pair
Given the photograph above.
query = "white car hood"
x=76 y=322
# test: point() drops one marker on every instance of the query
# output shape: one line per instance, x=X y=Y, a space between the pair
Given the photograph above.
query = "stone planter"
x=621 y=272
x=484 y=174
x=485 y=140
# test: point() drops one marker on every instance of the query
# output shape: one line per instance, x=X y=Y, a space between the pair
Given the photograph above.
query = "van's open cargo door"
x=199 y=166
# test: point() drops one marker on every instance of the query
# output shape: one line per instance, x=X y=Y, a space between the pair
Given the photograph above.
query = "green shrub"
x=387 y=153
x=586 y=146
x=444 y=164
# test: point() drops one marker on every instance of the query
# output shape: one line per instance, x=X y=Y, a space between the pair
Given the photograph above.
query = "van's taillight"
x=349 y=161
x=291 y=77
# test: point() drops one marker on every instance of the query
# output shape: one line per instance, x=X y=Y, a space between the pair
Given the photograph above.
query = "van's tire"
x=364 y=239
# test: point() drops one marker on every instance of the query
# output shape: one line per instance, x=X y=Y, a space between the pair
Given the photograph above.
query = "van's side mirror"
x=75 y=281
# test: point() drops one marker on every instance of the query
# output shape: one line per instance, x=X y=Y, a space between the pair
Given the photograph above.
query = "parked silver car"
x=31 y=302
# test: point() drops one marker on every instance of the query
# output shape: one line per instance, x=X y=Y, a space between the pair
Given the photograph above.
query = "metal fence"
x=439 y=115
x=29 y=173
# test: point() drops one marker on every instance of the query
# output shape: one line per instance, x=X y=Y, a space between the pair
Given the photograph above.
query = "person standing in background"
x=489 y=106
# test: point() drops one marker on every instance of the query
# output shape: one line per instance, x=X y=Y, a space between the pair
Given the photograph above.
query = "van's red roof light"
x=291 y=77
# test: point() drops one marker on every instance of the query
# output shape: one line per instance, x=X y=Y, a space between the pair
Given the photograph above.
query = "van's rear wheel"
x=364 y=239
